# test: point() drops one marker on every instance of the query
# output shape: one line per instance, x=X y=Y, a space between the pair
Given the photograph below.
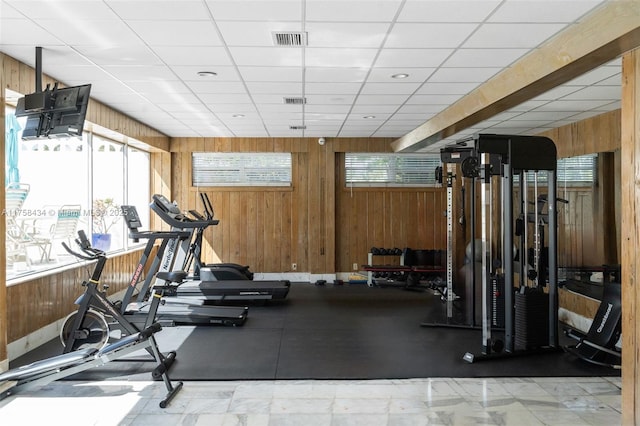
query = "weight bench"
x=598 y=345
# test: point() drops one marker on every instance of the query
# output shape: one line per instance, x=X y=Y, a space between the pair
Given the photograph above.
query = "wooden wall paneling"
x=630 y=205
x=250 y=248
x=329 y=204
x=261 y=219
x=299 y=220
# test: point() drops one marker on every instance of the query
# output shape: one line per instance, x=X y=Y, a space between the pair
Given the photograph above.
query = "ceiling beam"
x=609 y=31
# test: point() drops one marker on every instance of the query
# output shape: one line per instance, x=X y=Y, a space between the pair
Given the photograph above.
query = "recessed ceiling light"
x=400 y=76
x=369 y=116
x=207 y=73
x=238 y=116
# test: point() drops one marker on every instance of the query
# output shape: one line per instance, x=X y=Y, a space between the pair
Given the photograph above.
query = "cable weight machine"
x=528 y=315
x=452 y=157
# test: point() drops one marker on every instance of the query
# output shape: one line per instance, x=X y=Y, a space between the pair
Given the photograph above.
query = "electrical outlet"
x=355 y=266
x=294 y=266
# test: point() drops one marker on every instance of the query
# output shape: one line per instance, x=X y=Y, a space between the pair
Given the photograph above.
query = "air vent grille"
x=290 y=39
x=302 y=127
x=295 y=101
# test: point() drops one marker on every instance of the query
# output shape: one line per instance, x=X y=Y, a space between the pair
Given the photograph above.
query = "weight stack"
x=497 y=301
x=531 y=320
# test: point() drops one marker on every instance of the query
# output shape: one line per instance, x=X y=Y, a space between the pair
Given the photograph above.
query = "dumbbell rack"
x=371 y=268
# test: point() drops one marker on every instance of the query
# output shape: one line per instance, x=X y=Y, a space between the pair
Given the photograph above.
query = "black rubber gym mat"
x=336 y=332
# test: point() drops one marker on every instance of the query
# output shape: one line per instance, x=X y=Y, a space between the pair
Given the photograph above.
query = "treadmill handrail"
x=173 y=219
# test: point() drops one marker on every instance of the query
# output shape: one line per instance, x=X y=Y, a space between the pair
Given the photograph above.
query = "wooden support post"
x=4 y=363
x=630 y=194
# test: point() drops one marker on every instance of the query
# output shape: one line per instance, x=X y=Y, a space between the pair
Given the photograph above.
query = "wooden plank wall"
x=315 y=223
x=630 y=203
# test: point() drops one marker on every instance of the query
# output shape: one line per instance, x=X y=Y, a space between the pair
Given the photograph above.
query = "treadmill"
x=212 y=291
x=169 y=312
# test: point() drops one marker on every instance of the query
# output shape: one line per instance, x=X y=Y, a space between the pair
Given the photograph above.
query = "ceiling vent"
x=302 y=127
x=290 y=39
x=295 y=101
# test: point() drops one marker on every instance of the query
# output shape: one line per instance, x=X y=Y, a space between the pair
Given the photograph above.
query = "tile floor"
x=495 y=401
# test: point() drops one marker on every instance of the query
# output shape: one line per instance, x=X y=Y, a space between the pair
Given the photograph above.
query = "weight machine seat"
x=598 y=345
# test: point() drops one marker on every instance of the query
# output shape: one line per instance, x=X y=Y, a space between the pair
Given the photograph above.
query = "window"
x=578 y=171
x=571 y=172
x=55 y=181
x=391 y=169
x=241 y=169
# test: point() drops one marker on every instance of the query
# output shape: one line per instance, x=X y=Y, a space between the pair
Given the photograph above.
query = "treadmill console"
x=165 y=204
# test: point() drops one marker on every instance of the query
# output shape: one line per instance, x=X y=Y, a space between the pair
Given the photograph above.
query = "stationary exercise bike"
x=85 y=335
x=97 y=318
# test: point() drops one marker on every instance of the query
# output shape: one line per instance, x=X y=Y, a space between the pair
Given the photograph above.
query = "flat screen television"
x=54 y=113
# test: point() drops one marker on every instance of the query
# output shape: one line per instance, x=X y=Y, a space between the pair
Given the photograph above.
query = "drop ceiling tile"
x=595 y=92
x=325 y=116
x=25 y=32
x=390 y=88
x=381 y=99
x=337 y=99
x=351 y=11
x=275 y=98
x=225 y=98
x=423 y=35
x=546 y=115
x=331 y=88
x=278 y=88
x=542 y=11
x=520 y=35
x=209 y=87
x=484 y=57
x=225 y=74
x=66 y=12
x=130 y=54
x=447 y=11
x=192 y=56
x=266 y=56
x=243 y=10
x=339 y=57
x=574 y=105
x=140 y=73
x=161 y=10
x=433 y=99
x=287 y=74
x=528 y=106
x=463 y=75
x=383 y=75
x=94 y=32
x=328 y=74
x=412 y=116
x=320 y=109
x=446 y=88
x=352 y=34
x=417 y=58
x=176 y=33
x=233 y=108
x=278 y=107
x=420 y=109
x=374 y=109
x=597 y=75
x=254 y=33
